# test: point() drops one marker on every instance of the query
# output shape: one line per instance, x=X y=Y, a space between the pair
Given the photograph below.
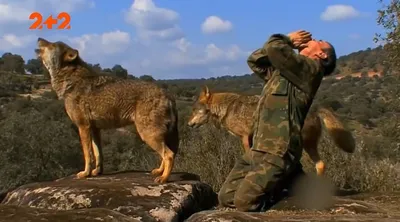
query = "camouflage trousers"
x=256 y=179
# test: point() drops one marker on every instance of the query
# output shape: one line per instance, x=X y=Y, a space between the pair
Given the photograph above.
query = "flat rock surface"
x=10 y=213
x=360 y=207
x=133 y=194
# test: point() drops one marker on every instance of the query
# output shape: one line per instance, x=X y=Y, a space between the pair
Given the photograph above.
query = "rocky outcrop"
x=365 y=207
x=220 y=216
x=129 y=195
x=10 y=213
x=134 y=197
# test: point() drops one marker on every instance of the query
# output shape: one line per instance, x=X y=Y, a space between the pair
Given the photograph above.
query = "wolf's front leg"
x=86 y=143
x=97 y=152
x=168 y=163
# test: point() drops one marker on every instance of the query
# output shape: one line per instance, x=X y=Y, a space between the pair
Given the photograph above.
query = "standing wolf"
x=94 y=102
x=235 y=113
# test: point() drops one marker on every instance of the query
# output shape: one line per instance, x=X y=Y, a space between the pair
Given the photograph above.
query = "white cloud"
x=153 y=22
x=13 y=13
x=168 y=34
x=97 y=45
x=339 y=12
x=11 y=42
x=183 y=44
x=145 y=14
x=214 y=24
x=184 y=59
x=142 y=53
x=185 y=54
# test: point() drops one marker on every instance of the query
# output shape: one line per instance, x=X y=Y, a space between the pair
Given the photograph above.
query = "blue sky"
x=184 y=39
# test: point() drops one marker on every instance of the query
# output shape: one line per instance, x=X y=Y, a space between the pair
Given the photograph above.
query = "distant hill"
x=368 y=62
x=361 y=61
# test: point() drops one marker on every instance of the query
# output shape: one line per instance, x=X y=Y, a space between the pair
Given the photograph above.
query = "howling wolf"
x=94 y=102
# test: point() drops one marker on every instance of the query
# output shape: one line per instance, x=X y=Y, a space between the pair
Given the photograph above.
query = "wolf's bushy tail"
x=342 y=137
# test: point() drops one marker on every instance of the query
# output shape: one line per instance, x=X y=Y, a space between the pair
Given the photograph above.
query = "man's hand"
x=299 y=38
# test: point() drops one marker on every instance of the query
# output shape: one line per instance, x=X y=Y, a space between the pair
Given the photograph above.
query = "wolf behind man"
x=292 y=81
x=94 y=102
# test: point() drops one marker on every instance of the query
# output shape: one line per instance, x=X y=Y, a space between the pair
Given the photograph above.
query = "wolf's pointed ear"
x=206 y=91
x=205 y=94
x=71 y=55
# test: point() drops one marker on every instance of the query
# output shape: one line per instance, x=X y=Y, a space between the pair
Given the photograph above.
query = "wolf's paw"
x=161 y=179
x=82 y=174
x=157 y=172
x=97 y=171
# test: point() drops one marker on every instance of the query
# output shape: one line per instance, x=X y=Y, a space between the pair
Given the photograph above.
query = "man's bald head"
x=322 y=51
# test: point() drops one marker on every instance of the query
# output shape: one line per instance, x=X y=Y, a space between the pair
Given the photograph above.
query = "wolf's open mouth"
x=38 y=52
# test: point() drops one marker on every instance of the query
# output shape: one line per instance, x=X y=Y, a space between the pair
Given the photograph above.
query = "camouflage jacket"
x=291 y=81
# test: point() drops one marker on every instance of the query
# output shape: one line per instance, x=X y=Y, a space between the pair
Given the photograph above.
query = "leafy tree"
x=13 y=63
x=35 y=66
x=96 y=67
x=388 y=18
x=147 y=78
x=108 y=70
x=130 y=76
x=119 y=71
